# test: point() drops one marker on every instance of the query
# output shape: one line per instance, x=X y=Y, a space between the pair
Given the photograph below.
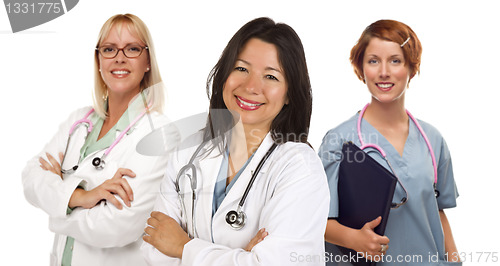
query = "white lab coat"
x=289 y=198
x=104 y=235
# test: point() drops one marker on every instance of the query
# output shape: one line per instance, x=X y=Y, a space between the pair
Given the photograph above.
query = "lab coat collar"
x=135 y=108
x=209 y=168
x=241 y=184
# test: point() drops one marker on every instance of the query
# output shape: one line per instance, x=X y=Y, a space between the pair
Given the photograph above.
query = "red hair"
x=393 y=31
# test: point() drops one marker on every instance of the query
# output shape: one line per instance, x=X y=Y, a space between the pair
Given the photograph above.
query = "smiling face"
x=123 y=75
x=256 y=88
x=385 y=71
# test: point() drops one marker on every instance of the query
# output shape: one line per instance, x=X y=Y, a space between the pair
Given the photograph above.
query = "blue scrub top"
x=220 y=189
x=415 y=228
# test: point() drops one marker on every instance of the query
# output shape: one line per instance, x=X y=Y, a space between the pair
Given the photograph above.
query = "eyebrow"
x=267 y=68
x=112 y=43
x=394 y=55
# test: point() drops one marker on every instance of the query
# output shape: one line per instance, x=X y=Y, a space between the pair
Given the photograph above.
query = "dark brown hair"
x=292 y=122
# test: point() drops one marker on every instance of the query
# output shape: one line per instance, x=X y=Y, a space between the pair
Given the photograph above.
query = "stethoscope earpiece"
x=436 y=192
x=397 y=205
x=236 y=219
x=98 y=163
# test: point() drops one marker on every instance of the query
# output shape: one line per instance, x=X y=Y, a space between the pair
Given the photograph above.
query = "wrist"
x=74 y=200
x=352 y=238
x=181 y=248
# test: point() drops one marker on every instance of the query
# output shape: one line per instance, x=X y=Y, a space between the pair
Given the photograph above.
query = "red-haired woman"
x=386 y=57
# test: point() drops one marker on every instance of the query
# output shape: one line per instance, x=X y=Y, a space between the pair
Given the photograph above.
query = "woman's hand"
x=261 y=234
x=369 y=243
x=105 y=191
x=166 y=235
x=54 y=166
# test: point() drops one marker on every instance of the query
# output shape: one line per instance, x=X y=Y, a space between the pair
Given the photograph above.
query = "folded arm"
x=294 y=217
x=105 y=225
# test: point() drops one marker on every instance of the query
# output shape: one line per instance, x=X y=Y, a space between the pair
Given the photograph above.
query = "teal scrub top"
x=415 y=228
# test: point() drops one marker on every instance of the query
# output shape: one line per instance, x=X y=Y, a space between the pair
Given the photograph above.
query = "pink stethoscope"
x=97 y=162
x=384 y=155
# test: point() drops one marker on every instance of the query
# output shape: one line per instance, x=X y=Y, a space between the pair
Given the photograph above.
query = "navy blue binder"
x=365 y=190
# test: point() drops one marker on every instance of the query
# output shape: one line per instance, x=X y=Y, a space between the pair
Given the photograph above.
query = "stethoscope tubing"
x=98 y=162
x=434 y=164
x=126 y=130
x=375 y=146
x=384 y=155
x=83 y=120
x=193 y=180
x=255 y=173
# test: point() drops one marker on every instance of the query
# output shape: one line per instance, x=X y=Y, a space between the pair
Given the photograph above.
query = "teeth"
x=385 y=86
x=248 y=104
x=120 y=72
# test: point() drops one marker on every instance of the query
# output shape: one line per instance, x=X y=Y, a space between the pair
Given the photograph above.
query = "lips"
x=385 y=86
x=120 y=73
x=248 y=105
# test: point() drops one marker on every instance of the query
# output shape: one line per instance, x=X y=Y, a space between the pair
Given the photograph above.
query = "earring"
x=147 y=69
x=105 y=96
x=99 y=70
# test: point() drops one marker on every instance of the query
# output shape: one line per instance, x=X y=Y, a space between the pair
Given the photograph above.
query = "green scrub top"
x=92 y=144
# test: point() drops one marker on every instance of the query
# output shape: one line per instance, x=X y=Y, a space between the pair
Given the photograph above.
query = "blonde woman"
x=94 y=185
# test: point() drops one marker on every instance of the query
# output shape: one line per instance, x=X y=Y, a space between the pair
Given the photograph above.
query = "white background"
x=47 y=71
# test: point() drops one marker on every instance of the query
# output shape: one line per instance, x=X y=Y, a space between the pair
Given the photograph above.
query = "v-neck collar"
x=93 y=144
x=386 y=145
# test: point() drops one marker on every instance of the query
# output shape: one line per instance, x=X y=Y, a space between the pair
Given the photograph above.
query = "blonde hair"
x=151 y=79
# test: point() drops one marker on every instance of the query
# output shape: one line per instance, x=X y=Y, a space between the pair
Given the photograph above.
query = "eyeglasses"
x=130 y=51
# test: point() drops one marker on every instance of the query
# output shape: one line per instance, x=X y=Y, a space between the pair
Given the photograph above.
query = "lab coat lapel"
x=208 y=168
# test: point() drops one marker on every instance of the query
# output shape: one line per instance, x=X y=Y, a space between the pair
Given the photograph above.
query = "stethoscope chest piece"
x=236 y=219
x=98 y=163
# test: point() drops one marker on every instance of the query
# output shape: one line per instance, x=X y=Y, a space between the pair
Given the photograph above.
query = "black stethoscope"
x=235 y=218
